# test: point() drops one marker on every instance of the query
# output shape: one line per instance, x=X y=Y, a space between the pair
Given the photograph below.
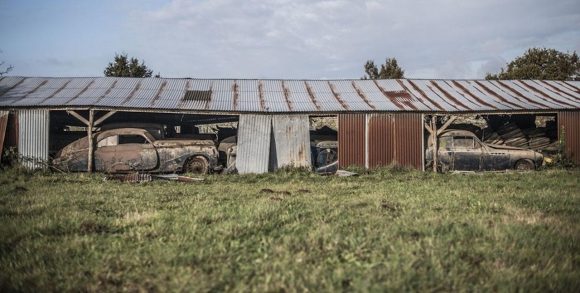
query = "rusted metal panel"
x=33 y=137
x=292 y=140
x=3 y=125
x=254 y=133
x=408 y=128
x=351 y=140
x=569 y=125
x=395 y=139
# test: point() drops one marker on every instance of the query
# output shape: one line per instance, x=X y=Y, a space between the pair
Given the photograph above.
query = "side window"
x=463 y=142
x=109 y=141
x=125 y=139
x=445 y=143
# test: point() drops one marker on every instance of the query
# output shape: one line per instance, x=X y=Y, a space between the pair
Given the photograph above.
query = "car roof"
x=456 y=132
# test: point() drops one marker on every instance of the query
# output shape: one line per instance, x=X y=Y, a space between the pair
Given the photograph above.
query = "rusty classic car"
x=134 y=149
x=462 y=150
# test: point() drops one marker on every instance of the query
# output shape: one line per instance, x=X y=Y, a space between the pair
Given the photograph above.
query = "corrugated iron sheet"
x=282 y=96
x=292 y=140
x=33 y=137
x=351 y=140
x=3 y=125
x=254 y=133
x=395 y=139
x=569 y=124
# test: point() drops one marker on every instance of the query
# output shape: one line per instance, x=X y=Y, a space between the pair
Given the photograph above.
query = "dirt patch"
x=19 y=190
x=270 y=191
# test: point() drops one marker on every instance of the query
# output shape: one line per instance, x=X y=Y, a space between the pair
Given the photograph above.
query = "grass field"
x=389 y=230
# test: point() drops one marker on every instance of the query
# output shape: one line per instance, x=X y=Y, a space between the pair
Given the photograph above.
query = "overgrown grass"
x=293 y=231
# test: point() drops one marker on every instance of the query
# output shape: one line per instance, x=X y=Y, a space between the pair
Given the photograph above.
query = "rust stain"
x=464 y=89
x=163 y=84
x=137 y=87
x=520 y=95
x=81 y=92
x=57 y=91
x=572 y=86
x=210 y=97
x=556 y=90
x=408 y=91
x=287 y=96
x=389 y=96
x=337 y=96
x=187 y=87
x=235 y=89
x=362 y=95
x=449 y=96
x=30 y=92
x=491 y=92
x=261 y=96
x=312 y=96
x=422 y=93
x=546 y=97
x=109 y=90
x=17 y=84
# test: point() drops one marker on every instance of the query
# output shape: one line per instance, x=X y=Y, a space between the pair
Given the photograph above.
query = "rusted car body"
x=134 y=149
x=462 y=150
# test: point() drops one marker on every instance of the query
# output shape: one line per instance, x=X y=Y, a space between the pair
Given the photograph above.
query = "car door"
x=494 y=159
x=130 y=152
x=466 y=154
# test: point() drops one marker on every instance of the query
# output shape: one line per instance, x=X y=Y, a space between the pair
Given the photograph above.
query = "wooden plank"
x=104 y=117
x=79 y=117
x=449 y=121
x=434 y=138
x=91 y=143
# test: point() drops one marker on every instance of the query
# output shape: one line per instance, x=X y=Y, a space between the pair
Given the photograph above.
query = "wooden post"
x=91 y=143
x=434 y=138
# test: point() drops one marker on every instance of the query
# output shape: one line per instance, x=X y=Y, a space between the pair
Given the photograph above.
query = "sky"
x=294 y=39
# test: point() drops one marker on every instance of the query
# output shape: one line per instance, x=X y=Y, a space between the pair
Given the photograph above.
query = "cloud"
x=333 y=38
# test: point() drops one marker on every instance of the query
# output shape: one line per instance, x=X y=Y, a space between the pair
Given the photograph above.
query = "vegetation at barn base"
x=543 y=64
x=391 y=229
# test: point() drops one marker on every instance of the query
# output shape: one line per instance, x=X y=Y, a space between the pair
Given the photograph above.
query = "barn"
x=379 y=122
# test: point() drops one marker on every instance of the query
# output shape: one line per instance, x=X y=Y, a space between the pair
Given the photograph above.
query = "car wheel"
x=197 y=165
x=524 y=165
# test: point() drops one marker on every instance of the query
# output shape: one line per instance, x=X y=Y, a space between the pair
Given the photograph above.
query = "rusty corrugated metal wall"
x=569 y=123
x=292 y=141
x=33 y=134
x=375 y=140
x=351 y=140
x=3 y=124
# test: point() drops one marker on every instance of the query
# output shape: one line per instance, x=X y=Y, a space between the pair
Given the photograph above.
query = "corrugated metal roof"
x=283 y=96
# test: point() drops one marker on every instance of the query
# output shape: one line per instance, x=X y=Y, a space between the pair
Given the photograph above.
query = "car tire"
x=524 y=165
x=197 y=165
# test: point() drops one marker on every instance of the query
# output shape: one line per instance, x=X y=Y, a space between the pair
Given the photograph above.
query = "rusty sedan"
x=134 y=149
x=463 y=151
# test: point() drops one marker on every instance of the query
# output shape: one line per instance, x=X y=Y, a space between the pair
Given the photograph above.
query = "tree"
x=541 y=63
x=4 y=68
x=122 y=66
x=388 y=70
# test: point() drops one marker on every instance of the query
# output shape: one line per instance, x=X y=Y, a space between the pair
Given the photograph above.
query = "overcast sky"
x=303 y=39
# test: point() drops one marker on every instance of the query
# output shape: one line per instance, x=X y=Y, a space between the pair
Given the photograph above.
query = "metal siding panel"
x=33 y=137
x=569 y=122
x=351 y=140
x=381 y=136
x=254 y=132
x=408 y=129
x=3 y=124
x=292 y=140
